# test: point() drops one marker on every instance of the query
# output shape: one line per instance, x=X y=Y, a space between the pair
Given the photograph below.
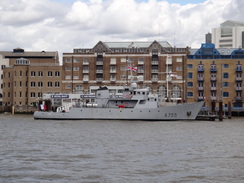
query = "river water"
x=33 y=151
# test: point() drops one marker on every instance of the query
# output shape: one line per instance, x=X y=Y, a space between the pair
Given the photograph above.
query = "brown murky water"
x=33 y=151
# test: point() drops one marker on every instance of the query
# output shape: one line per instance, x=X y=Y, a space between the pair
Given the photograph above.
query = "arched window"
x=176 y=92
x=162 y=92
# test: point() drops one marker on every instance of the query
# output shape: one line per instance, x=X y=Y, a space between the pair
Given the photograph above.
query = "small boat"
x=134 y=104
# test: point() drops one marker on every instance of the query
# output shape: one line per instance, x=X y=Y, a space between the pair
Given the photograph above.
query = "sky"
x=62 y=25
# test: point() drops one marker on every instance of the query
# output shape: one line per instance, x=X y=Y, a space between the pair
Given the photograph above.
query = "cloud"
x=62 y=26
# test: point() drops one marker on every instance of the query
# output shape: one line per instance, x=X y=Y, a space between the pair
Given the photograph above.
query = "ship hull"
x=169 y=113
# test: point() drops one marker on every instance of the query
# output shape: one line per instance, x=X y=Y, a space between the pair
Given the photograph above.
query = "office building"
x=230 y=34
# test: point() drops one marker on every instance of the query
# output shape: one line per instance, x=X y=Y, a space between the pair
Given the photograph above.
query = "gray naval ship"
x=133 y=104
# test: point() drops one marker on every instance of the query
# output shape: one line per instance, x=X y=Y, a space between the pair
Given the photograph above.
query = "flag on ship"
x=172 y=75
x=132 y=68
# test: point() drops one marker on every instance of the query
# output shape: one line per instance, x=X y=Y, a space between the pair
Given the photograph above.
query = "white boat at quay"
x=134 y=104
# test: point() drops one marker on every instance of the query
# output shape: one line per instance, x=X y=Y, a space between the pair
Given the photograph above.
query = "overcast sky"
x=61 y=25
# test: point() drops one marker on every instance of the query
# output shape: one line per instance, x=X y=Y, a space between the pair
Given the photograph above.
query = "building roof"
x=232 y=23
x=135 y=44
x=222 y=51
x=19 y=52
x=208 y=51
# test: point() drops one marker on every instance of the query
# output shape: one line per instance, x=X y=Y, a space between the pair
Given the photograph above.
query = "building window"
x=189 y=75
x=123 y=77
x=33 y=84
x=20 y=84
x=225 y=94
x=179 y=59
x=85 y=78
x=113 y=61
x=226 y=66
x=49 y=73
x=49 y=84
x=67 y=68
x=76 y=60
x=85 y=61
x=40 y=73
x=33 y=94
x=189 y=94
x=76 y=68
x=226 y=75
x=57 y=73
x=130 y=60
x=20 y=94
x=68 y=60
x=140 y=60
x=75 y=77
x=68 y=86
x=123 y=60
x=78 y=88
x=57 y=84
x=85 y=69
x=122 y=68
x=39 y=94
x=176 y=92
x=179 y=68
x=189 y=66
x=225 y=84
x=33 y=73
x=68 y=77
x=40 y=84
x=189 y=84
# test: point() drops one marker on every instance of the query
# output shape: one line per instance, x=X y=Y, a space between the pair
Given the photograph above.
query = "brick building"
x=215 y=75
x=27 y=76
x=107 y=64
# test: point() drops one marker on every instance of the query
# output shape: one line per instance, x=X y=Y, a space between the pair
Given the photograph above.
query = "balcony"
x=85 y=63
x=154 y=80
x=154 y=62
x=213 y=69
x=200 y=88
x=99 y=80
x=200 y=78
x=238 y=68
x=213 y=98
x=140 y=71
x=238 y=88
x=99 y=71
x=238 y=98
x=155 y=71
x=213 y=88
x=200 y=98
x=112 y=71
x=112 y=79
x=238 y=78
x=213 y=79
x=141 y=62
x=200 y=69
x=99 y=62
